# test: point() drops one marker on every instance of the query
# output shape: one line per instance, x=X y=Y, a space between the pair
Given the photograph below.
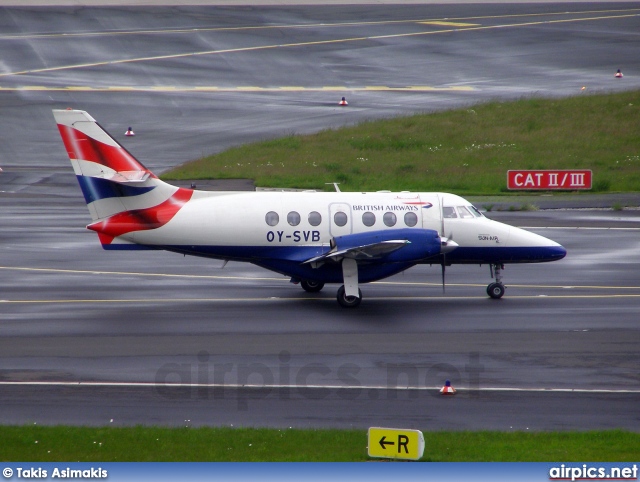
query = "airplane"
x=348 y=238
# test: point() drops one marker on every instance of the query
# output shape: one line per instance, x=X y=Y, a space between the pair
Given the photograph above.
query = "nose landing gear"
x=496 y=290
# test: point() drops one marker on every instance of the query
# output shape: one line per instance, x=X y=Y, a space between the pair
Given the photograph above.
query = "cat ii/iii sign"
x=550 y=180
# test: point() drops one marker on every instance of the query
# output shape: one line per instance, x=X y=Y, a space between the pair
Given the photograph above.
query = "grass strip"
x=467 y=151
x=155 y=444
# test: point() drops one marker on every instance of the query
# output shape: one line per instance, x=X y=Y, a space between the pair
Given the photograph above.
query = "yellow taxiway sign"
x=395 y=443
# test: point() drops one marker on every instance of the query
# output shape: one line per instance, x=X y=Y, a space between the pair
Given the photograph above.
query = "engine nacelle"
x=392 y=245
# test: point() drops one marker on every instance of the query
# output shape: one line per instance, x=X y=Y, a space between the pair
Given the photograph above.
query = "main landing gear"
x=496 y=290
x=311 y=286
x=349 y=295
x=348 y=301
x=343 y=299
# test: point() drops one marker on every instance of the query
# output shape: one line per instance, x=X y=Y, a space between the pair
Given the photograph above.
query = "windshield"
x=475 y=211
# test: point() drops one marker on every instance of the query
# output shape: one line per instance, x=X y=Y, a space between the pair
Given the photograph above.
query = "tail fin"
x=122 y=195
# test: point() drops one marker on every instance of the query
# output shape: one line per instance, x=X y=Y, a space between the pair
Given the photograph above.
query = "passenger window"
x=389 y=219
x=314 y=218
x=368 y=219
x=272 y=218
x=464 y=212
x=293 y=218
x=340 y=218
x=410 y=219
x=449 y=212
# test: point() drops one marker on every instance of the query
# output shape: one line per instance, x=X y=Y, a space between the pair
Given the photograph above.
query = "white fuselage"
x=311 y=219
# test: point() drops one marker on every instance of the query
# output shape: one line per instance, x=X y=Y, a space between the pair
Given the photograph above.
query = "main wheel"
x=495 y=290
x=311 y=286
x=348 y=301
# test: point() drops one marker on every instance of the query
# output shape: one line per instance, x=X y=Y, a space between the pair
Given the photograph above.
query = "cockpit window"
x=464 y=212
x=449 y=212
x=474 y=210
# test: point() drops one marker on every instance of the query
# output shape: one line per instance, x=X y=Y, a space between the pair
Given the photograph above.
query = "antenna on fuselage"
x=335 y=185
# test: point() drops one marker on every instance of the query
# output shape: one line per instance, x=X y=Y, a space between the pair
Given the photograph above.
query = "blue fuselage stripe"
x=288 y=260
x=536 y=254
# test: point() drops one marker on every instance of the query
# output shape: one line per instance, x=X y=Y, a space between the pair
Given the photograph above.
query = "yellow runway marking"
x=127 y=273
x=449 y=21
x=511 y=25
x=449 y=24
x=286 y=280
x=213 y=88
x=307 y=44
x=509 y=285
x=147 y=300
x=306 y=298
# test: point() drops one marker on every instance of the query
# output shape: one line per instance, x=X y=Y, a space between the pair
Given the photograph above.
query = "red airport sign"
x=550 y=180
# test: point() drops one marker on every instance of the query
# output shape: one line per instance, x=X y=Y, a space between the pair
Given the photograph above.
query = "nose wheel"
x=496 y=290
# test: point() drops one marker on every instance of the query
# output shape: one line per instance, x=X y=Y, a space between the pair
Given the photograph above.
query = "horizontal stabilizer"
x=124 y=177
x=117 y=243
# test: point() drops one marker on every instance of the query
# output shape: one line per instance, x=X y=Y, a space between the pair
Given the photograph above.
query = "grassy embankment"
x=111 y=444
x=466 y=151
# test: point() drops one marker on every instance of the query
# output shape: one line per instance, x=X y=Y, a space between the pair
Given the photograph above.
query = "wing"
x=363 y=252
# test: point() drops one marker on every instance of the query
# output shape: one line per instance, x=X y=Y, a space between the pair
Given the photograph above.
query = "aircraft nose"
x=535 y=247
x=549 y=250
x=554 y=253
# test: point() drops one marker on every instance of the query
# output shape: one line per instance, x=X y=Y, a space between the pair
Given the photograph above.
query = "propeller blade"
x=447 y=245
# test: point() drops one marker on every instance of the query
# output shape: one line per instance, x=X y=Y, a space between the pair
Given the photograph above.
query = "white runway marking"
x=318 y=387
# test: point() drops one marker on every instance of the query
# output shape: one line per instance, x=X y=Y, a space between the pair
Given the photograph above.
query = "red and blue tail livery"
x=315 y=238
x=123 y=196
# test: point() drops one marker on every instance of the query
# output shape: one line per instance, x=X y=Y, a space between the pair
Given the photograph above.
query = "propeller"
x=443 y=264
x=446 y=245
x=443 y=242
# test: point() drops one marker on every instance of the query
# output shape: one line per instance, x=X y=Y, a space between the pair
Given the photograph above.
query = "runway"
x=99 y=338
